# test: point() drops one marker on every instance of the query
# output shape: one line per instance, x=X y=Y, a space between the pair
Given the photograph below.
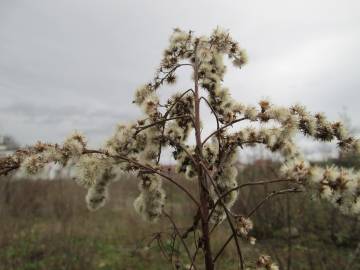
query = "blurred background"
x=74 y=64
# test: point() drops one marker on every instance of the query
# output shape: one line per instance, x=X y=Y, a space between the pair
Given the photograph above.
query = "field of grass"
x=46 y=225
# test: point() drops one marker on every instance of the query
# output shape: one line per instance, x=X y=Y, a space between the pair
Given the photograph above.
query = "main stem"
x=203 y=192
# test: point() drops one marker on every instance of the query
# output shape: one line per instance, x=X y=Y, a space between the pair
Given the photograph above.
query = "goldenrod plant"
x=208 y=161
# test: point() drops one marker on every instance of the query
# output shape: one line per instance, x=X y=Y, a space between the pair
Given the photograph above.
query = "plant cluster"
x=210 y=163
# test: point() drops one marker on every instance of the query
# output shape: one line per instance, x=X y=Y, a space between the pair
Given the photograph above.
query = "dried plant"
x=210 y=164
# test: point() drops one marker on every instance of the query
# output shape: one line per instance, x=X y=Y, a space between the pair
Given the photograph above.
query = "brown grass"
x=46 y=225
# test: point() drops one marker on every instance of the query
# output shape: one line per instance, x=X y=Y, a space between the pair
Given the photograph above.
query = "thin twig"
x=178 y=99
x=179 y=145
x=162 y=249
x=179 y=234
x=223 y=247
x=252 y=184
x=232 y=227
x=171 y=71
x=141 y=128
x=194 y=225
x=222 y=128
x=194 y=258
x=173 y=247
x=272 y=194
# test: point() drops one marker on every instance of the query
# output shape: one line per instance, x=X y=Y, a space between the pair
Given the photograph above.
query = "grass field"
x=46 y=225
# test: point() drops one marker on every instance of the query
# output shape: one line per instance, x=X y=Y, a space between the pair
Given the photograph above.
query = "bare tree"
x=209 y=163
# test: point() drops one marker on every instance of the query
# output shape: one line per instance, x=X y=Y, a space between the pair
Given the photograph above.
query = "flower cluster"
x=141 y=145
x=225 y=181
x=243 y=226
x=339 y=186
x=265 y=263
x=123 y=141
x=150 y=202
x=75 y=145
x=211 y=72
x=185 y=165
x=181 y=108
x=90 y=168
x=97 y=194
x=33 y=159
x=147 y=99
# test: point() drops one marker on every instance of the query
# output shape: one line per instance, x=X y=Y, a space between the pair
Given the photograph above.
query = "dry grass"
x=46 y=225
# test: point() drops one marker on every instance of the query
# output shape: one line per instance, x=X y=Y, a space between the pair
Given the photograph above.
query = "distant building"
x=50 y=171
x=7 y=145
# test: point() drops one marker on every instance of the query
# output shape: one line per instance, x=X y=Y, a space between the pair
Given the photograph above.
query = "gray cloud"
x=75 y=63
x=52 y=123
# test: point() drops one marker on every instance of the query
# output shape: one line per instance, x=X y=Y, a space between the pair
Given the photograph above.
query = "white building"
x=7 y=146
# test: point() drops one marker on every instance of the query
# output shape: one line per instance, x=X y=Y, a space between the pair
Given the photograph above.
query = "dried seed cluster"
x=136 y=147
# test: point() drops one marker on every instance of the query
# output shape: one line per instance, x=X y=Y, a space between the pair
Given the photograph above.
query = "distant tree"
x=9 y=142
x=347 y=158
x=210 y=163
x=346 y=120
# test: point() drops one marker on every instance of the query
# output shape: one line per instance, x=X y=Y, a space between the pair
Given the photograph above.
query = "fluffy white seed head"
x=243 y=226
x=33 y=164
x=150 y=204
x=96 y=197
x=296 y=169
x=251 y=113
x=142 y=93
x=75 y=144
x=90 y=168
x=149 y=183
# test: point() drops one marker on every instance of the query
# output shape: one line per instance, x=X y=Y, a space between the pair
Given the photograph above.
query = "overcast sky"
x=74 y=64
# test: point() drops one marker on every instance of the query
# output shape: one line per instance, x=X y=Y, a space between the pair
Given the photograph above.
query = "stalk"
x=209 y=265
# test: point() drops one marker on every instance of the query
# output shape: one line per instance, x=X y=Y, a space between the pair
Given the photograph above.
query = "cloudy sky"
x=74 y=64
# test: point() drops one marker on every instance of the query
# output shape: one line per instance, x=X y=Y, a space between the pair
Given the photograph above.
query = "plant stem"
x=204 y=207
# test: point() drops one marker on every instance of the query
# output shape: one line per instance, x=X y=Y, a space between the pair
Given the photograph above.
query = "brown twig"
x=272 y=194
x=194 y=225
x=222 y=128
x=170 y=72
x=252 y=184
x=179 y=234
x=141 y=128
x=228 y=217
x=223 y=247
